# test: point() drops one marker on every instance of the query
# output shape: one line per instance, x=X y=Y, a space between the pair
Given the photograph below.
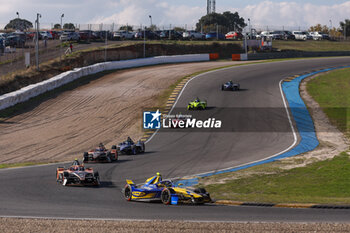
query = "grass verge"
x=332 y=92
x=312 y=46
x=322 y=182
x=13 y=165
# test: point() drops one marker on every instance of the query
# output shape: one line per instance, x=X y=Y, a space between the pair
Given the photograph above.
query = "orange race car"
x=77 y=174
x=101 y=154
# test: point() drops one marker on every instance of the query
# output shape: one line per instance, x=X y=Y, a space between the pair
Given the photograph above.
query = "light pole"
x=61 y=41
x=61 y=21
x=144 y=42
x=150 y=17
x=37 y=41
x=250 y=31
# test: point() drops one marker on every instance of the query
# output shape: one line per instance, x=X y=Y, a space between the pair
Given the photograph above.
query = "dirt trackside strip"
x=14 y=225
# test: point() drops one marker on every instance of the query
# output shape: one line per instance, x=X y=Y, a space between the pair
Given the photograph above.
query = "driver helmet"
x=76 y=162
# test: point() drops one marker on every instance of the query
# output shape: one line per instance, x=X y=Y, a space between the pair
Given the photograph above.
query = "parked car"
x=30 y=35
x=264 y=34
x=123 y=35
x=55 y=34
x=319 y=36
x=193 y=35
x=84 y=35
x=88 y=35
x=149 y=35
x=174 y=35
x=234 y=35
x=2 y=47
x=277 y=35
x=13 y=40
x=45 y=35
x=299 y=35
x=287 y=35
x=214 y=36
x=69 y=36
x=101 y=35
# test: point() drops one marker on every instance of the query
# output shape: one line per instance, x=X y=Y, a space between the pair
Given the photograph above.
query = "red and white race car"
x=101 y=154
x=77 y=174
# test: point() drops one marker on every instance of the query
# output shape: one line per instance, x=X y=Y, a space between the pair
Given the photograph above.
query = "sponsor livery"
x=77 y=175
x=156 y=189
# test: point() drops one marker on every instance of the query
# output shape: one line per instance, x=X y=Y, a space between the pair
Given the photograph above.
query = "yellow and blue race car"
x=156 y=189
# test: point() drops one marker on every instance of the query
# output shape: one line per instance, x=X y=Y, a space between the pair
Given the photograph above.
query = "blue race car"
x=231 y=86
x=156 y=189
x=128 y=147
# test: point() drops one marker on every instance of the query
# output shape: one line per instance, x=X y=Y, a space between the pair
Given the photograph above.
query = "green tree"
x=19 y=24
x=57 y=26
x=226 y=21
x=152 y=28
x=126 y=28
x=68 y=26
x=179 y=29
x=346 y=25
x=319 y=28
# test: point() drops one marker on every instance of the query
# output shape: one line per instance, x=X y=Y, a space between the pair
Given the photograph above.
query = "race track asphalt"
x=32 y=191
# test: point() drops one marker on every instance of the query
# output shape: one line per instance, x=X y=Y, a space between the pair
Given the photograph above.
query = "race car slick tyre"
x=86 y=157
x=166 y=196
x=127 y=192
x=200 y=190
x=97 y=178
x=60 y=178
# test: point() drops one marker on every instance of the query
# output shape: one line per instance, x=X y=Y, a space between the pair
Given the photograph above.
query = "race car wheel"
x=200 y=191
x=65 y=174
x=97 y=178
x=222 y=88
x=60 y=178
x=166 y=196
x=134 y=151
x=86 y=157
x=127 y=192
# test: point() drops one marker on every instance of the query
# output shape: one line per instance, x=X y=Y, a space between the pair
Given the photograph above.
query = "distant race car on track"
x=156 y=189
x=101 y=154
x=231 y=86
x=197 y=104
x=77 y=174
x=128 y=147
